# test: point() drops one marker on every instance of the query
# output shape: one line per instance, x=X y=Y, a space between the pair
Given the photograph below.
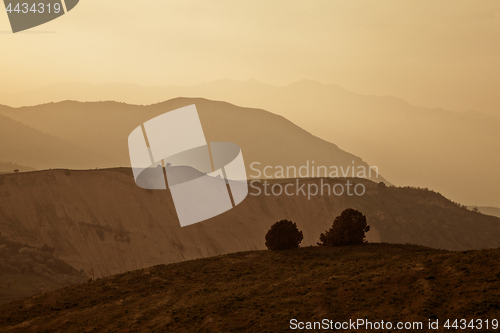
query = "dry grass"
x=261 y=291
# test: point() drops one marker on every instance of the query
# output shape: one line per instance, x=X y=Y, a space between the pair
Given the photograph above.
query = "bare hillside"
x=101 y=220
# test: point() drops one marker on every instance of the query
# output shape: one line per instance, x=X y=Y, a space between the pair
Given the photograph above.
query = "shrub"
x=348 y=229
x=283 y=235
x=48 y=249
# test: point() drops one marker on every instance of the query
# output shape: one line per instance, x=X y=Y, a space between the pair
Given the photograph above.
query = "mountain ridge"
x=26 y=145
x=103 y=127
x=412 y=145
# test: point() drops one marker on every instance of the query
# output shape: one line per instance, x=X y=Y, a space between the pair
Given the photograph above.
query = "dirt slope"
x=101 y=220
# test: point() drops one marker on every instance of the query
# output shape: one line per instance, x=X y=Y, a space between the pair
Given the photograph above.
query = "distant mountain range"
x=455 y=153
x=101 y=220
x=493 y=211
x=83 y=135
x=10 y=167
x=25 y=145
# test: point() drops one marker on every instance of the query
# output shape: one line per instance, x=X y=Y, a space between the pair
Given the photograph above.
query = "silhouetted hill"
x=263 y=137
x=262 y=291
x=100 y=219
x=454 y=153
x=25 y=145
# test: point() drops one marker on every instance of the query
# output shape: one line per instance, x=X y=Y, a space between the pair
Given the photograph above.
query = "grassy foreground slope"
x=261 y=291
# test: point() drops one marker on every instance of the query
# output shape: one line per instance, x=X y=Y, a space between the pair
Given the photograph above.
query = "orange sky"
x=431 y=53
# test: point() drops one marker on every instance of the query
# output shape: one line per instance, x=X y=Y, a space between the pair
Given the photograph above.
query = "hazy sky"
x=431 y=53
